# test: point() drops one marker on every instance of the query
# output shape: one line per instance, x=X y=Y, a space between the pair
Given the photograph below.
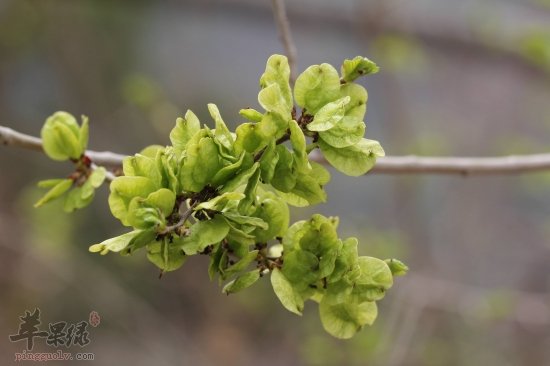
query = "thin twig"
x=279 y=12
x=10 y=137
x=465 y=166
x=13 y=138
x=106 y=158
x=185 y=214
x=518 y=164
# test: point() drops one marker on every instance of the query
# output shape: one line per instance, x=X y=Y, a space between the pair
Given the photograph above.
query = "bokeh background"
x=458 y=78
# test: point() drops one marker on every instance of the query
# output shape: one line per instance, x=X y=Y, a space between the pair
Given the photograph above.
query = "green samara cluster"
x=226 y=194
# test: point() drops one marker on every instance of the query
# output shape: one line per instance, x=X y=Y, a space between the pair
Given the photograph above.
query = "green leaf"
x=240 y=236
x=272 y=100
x=301 y=268
x=284 y=176
x=49 y=183
x=226 y=155
x=348 y=132
x=250 y=138
x=144 y=238
x=151 y=151
x=144 y=213
x=268 y=162
x=141 y=216
x=242 y=264
x=343 y=320
x=245 y=205
x=353 y=160
x=240 y=283
x=73 y=200
x=359 y=66
x=222 y=132
x=276 y=214
x=298 y=142
x=305 y=192
x=165 y=256
x=200 y=165
x=68 y=140
x=328 y=260
x=203 y=234
x=84 y=134
x=293 y=235
x=240 y=179
x=238 y=248
x=273 y=126
x=351 y=128
x=251 y=114
x=115 y=244
x=363 y=293
x=215 y=258
x=87 y=190
x=346 y=260
x=79 y=197
x=357 y=107
x=185 y=129
x=97 y=177
x=321 y=236
x=82 y=196
x=224 y=260
x=123 y=190
x=317 y=86
x=397 y=267
x=276 y=95
x=285 y=293
x=339 y=292
x=142 y=166
x=374 y=272
x=257 y=222
x=229 y=171
x=168 y=165
x=329 y=115
x=218 y=203
x=60 y=137
x=319 y=173
x=163 y=199
x=61 y=186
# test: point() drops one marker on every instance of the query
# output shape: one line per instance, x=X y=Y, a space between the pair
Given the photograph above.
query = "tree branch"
x=502 y=165
x=10 y=137
x=279 y=13
x=515 y=164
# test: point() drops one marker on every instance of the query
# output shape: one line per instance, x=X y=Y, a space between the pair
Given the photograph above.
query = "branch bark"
x=466 y=166
x=513 y=164
x=10 y=137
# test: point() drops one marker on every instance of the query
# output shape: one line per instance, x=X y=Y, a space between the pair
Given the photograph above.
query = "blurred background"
x=461 y=78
